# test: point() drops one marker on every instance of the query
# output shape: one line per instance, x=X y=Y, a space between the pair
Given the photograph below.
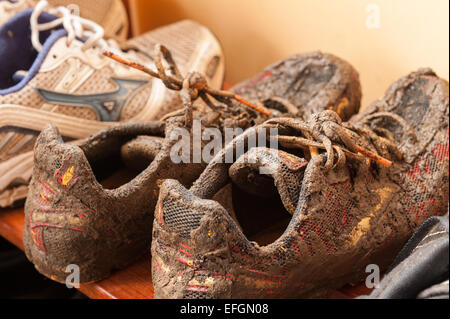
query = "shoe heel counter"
x=58 y=164
x=57 y=229
x=190 y=236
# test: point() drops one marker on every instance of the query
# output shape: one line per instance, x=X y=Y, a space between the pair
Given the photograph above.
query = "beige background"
x=254 y=33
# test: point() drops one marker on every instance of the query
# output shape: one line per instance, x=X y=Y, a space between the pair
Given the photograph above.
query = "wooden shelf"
x=134 y=282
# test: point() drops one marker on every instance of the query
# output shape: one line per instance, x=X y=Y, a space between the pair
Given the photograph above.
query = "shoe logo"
x=107 y=105
x=68 y=176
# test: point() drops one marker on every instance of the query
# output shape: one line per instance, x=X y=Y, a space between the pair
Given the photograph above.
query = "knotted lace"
x=76 y=27
x=326 y=131
x=194 y=85
x=191 y=87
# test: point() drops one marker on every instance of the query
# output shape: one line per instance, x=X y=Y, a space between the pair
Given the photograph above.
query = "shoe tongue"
x=16 y=49
x=264 y=172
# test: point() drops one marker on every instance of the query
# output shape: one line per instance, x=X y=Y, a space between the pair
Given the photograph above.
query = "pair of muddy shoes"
x=340 y=196
x=296 y=217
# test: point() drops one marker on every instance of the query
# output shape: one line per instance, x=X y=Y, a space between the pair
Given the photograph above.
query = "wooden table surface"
x=134 y=282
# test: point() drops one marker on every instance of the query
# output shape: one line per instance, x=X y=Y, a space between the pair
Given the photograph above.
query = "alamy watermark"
x=73 y=279
x=203 y=145
x=373 y=279
x=373 y=16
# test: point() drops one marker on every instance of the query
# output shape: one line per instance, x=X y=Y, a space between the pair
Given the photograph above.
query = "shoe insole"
x=128 y=162
x=262 y=219
x=118 y=178
x=272 y=233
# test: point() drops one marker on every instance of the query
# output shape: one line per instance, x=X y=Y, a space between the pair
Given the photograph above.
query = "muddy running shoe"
x=90 y=205
x=53 y=71
x=110 y=14
x=309 y=82
x=79 y=212
x=335 y=197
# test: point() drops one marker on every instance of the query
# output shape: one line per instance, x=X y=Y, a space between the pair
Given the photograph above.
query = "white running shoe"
x=52 y=71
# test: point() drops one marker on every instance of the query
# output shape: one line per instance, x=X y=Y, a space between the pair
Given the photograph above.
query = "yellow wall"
x=254 y=33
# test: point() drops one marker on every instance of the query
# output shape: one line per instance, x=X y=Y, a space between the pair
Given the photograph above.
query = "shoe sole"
x=15 y=171
x=13 y=116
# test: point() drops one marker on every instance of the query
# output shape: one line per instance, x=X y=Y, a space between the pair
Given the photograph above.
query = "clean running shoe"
x=81 y=208
x=53 y=71
x=340 y=196
x=110 y=14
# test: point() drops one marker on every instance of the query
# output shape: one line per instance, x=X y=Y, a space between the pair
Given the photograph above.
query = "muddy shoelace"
x=318 y=134
x=406 y=127
x=191 y=87
x=327 y=127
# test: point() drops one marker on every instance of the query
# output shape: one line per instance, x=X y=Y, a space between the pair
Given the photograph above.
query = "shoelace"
x=75 y=26
x=407 y=128
x=194 y=85
x=327 y=126
x=191 y=87
x=317 y=134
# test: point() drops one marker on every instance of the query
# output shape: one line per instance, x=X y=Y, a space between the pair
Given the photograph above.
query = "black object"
x=421 y=268
x=20 y=280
